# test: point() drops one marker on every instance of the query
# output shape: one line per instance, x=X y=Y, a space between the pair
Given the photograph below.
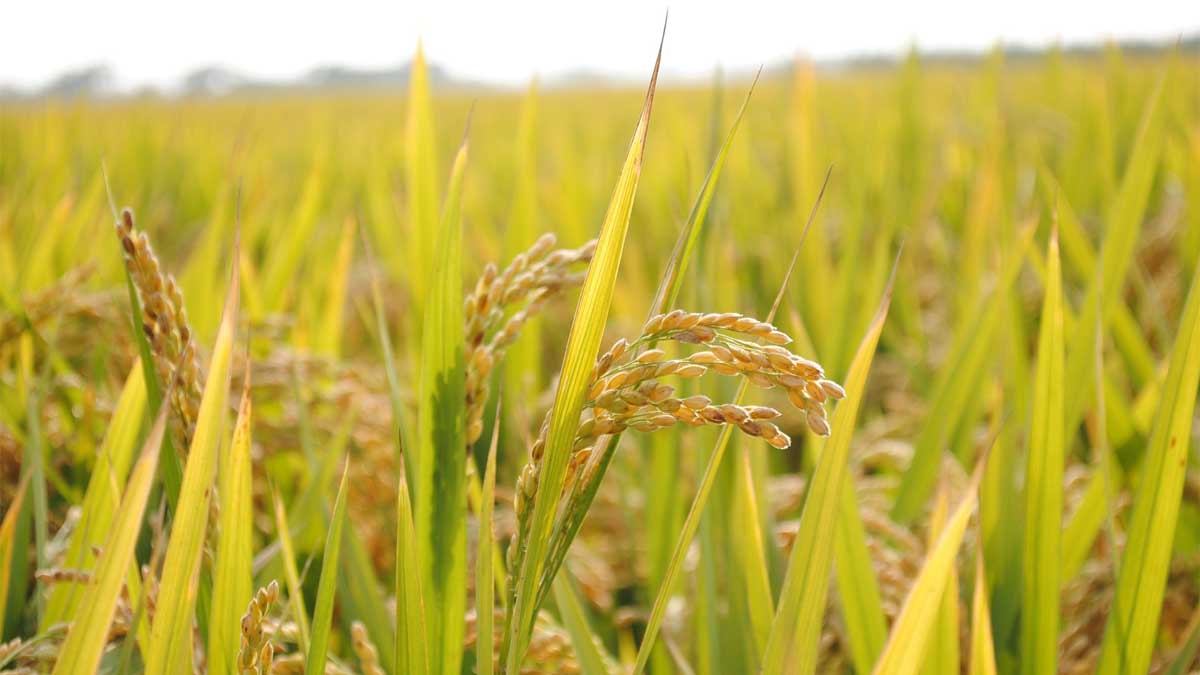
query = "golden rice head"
x=256 y=654
x=164 y=322
x=491 y=325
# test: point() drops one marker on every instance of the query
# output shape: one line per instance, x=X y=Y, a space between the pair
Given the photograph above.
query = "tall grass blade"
x=956 y=388
x=942 y=657
x=913 y=629
x=666 y=296
x=485 y=597
x=1044 y=484
x=1132 y=626
x=322 y=623
x=361 y=598
x=273 y=291
x=80 y=653
x=232 y=576
x=9 y=549
x=1077 y=251
x=1123 y=220
x=574 y=618
x=983 y=650
x=172 y=466
x=171 y=633
x=113 y=460
x=329 y=338
x=858 y=588
x=420 y=180
x=748 y=540
x=401 y=432
x=583 y=345
x=412 y=651
x=291 y=575
x=35 y=464
x=438 y=481
x=691 y=522
x=796 y=629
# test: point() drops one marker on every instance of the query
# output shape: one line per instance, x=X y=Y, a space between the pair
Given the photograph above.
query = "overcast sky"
x=507 y=41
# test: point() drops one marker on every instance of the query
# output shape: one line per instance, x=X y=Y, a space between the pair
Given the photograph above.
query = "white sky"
x=507 y=41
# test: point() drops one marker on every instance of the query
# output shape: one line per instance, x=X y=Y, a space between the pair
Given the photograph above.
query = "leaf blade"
x=797 y=624
x=440 y=464
x=1044 y=479
x=583 y=345
x=232 y=576
x=1132 y=625
x=484 y=569
x=80 y=653
x=322 y=622
x=909 y=639
x=176 y=603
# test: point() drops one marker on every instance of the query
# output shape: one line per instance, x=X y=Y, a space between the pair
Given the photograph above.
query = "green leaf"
x=232 y=576
x=1123 y=220
x=1078 y=253
x=291 y=576
x=1044 y=484
x=1129 y=636
x=171 y=636
x=9 y=549
x=322 y=622
x=983 y=651
x=587 y=651
x=485 y=597
x=286 y=253
x=942 y=656
x=858 y=588
x=1080 y=532
x=401 y=432
x=308 y=509
x=329 y=337
x=438 y=478
x=796 y=629
x=957 y=385
x=361 y=597
x=412 y=655
x=35 y=463
x=80 y=653
x=913 y=629
x=113 y=460
x=692 y=521
x=420 y=180
x=583 y=345
x=748 y=551
x=666 y=295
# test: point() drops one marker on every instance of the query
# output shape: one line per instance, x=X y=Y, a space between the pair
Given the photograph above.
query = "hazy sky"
x=506 y=41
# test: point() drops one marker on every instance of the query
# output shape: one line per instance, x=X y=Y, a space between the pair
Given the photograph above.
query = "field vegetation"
x=889 y=369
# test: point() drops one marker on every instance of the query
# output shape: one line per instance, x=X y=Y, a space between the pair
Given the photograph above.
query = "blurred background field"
x=962 y=161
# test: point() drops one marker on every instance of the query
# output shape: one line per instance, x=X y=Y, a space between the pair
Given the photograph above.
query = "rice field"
x=886 y=369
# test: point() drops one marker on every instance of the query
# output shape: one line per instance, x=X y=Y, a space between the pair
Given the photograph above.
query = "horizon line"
x=309 y=78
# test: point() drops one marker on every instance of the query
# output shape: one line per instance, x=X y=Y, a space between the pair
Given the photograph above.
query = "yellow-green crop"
x=998 y=259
